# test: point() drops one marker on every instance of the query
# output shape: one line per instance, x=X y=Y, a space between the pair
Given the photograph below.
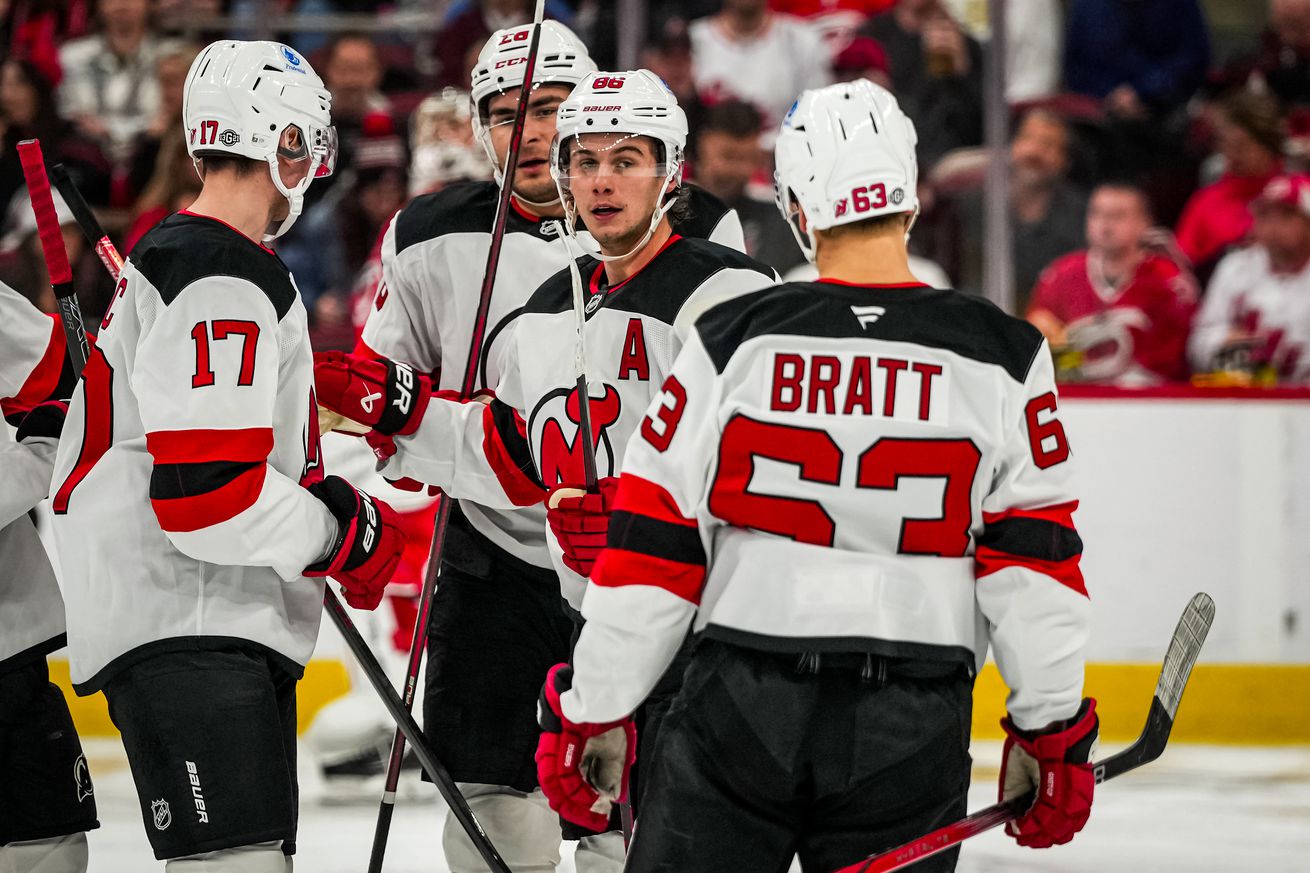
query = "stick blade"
x=1184 y=649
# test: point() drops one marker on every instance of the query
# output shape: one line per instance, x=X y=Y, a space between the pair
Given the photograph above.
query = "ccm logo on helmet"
x=509 y=62
x=608 y=82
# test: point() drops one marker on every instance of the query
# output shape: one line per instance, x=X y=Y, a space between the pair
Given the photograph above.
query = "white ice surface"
x=1196 y=810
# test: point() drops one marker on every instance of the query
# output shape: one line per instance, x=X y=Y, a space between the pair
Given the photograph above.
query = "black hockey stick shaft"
x=56 y=257
x=1184 y=648
x=400 y=712
x=469 y=385
x=86 y=220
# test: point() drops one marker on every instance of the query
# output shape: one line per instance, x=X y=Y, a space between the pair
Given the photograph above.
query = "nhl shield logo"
x=594 y=303
x=163 y=816
x=82 y=779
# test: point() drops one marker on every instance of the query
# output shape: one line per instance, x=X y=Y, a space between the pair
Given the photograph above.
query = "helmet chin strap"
x=295 y=197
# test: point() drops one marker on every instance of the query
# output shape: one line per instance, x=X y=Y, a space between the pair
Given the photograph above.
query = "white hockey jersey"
x=180 y=513
x=525 y=441
x=433 y=257
x=846 y=468
x=33 y=368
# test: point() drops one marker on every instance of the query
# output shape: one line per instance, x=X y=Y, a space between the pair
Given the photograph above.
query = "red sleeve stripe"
x=1060 y=513
x=182 y=514
x=1066 y=572
x=505 y=443
x=42 y=382
x=362 y=350
x=201 y=446
x=616 y=568
x=643 y=497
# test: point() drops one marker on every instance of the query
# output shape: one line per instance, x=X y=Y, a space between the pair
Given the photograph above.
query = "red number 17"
x=222 y=329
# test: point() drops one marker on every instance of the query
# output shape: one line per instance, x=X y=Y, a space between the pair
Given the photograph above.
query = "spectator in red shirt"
x=1249 y=130
x=1116 y=312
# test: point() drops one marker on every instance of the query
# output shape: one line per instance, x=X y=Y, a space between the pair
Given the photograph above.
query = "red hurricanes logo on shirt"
x=554 y=428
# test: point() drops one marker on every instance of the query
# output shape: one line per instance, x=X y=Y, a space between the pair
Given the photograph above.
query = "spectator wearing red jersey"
x=1256 y=317
x=1249 y=130
x=837 y=20
x=1116 y=312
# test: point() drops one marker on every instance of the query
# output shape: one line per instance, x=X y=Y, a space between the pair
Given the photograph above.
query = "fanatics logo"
x=229 y=137
x=163 y=817
x=82 y=779
x=867 y=315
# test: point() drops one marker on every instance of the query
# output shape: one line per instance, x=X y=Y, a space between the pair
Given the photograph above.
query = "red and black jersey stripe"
x=1042 y=539
x=51 y=379
x=651 y=543
x=205 y=477
x=505 y=443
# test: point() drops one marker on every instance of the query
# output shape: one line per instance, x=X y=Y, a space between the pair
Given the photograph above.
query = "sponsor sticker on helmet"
x=229 y=137
x=897 y=196
x=294 y=63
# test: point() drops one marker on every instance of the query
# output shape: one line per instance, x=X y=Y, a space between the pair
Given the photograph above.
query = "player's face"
x=615 y=181
x=532 y=179
x=1116 y=220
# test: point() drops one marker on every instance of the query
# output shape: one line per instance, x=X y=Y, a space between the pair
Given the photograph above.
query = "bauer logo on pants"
x=163 y=817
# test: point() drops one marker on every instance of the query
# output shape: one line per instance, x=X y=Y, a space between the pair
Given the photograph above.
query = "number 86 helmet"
x=239 y=99
x=845 y=153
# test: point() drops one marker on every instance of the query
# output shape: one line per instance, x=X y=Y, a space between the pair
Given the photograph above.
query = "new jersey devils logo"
x=554 y=428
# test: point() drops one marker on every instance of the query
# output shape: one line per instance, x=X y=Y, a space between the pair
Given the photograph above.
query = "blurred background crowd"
x=1159 y=219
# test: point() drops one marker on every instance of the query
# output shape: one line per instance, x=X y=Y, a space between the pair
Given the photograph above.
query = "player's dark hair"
x=1129 y=188
x=681 y=209
x=241 y=167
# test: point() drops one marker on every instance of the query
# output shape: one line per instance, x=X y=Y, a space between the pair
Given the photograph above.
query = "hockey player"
x=190 y=504
x=848 y=487
x=496 y=617
x=44 y=815
x=645 y=284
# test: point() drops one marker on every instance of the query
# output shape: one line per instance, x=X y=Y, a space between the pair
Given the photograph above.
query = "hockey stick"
x=1178 y=662
x=386 y=807
x=367 y=661
x=86 y=220
x=56 y=257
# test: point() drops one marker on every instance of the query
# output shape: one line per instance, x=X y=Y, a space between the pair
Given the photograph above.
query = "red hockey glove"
x=369 y=542
x=581 y=522
x=1057 y=764
x=582 y=768
x=45 y=421
x=388 y=396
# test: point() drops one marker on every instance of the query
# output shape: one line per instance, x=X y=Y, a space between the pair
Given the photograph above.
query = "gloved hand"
x=388 y=396
x=368 y=546
x=583 y=769
x=581 y=522
x=1056 y=763
x=44 y=422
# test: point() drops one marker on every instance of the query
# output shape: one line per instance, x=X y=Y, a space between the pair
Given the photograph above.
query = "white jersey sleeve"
x=210 y=431
x=647 y=584
x=1030 y=588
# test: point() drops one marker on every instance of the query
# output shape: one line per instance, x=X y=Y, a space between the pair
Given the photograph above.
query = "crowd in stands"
x=1160 y=211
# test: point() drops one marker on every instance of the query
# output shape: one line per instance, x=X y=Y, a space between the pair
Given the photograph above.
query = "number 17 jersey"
x=846 y=468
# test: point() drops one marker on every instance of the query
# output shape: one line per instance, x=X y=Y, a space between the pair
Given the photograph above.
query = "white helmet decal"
x=240 y=97
x=845 y=153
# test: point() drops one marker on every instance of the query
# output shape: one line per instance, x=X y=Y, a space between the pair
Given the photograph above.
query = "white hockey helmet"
x=240 y=97
x=845 y=153
x=633 y=103
x=562 y=59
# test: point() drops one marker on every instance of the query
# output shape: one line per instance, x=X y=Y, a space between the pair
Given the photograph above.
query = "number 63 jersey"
x=846 y=468
x=180 y=514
